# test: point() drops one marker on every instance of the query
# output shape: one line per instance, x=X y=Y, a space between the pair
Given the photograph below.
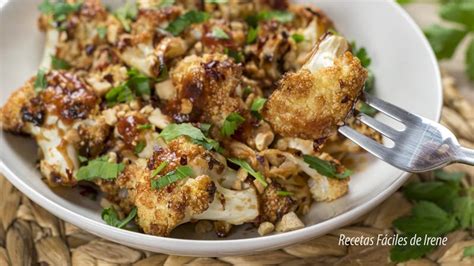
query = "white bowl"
x=406 y=74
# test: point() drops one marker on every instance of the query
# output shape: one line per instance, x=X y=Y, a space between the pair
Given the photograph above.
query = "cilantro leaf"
x=173 y=131
x=470 y=60
x=219 y=33
x=138 y=82
x=438 y=192
x=252 y=35
x=119 y=94
x=463 y=208
x=236 y=55
x=283 y=193
x=280 y=16
x=99 y=168
x=257 y=106
x=181 y=23
x=60 y=10
x=231 y=123
x=444 y=40
x=110 y=217
x=367 y=109
x=403 y=2
x=448 y=176
x=40 y=81
x=140 y=146
x=325 y=168
x=102 y=32
x=179 y=173
x=144 y=126
x=426 y=219
x=362 y=54
x=58 y=63
x=246 y=166
x=126 y=14
x=166 y=3
x=159 y=168
x=297 y=37
x=401 y=253
x=468 y=251
x=460 y=12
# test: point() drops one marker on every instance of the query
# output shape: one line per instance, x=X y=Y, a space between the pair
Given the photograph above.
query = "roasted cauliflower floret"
x=313 y=102
x=206 y=89
x=75 y=38
x=273 y=205
x=59 y=116
x=194 y=197
x=147 y=49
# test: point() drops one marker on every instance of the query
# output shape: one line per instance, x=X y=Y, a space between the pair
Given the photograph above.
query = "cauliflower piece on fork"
x=313 y=102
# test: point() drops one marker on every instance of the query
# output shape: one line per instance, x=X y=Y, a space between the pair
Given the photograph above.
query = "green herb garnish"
x=140 y=146
x=445 y=40
x=297 y=37
x=99 y=168
x=179 y=173
x=280 y=16
x=137 y=84
x=119 y=94
x=60 y=9
x=257 y=106
x=82 y=159
x=325 y=168
x=236 y=55
x=365 y=61
x=219 y=33
x=144 y=126
x=126 y=14
x=181 y=23
x=173 y=131
x=40 y=81
x=468 y=252
x=441 y=206
x=252 y=35
x=102 y=32
x=110 y=217
x=231 y=123
x=283 y=193
x=159 y=168
x=166 y=3
x=246 y=166
x=58 y=63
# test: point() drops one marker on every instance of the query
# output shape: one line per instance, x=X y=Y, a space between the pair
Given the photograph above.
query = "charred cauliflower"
x=318 y=98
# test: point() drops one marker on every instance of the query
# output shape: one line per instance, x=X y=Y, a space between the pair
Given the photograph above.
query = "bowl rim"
x=191 y=247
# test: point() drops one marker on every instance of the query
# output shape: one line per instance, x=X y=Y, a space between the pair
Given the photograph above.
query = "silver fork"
x=423 y=145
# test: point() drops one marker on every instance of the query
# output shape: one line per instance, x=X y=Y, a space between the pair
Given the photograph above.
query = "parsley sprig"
x=137 y=85
x=441 y=206
x=99 y=168
x=179 y=173
x=445 y=40
x=180 y=24
x=40 y=81
x=246 y=166
x=231 y=123
x=257 y=106
x=173 y=131
x=365 y=60
x=126 y=14
x=58 y=9
x=326 y=168
x=110 y=216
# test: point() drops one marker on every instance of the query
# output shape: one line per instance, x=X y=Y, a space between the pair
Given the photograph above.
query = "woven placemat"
x=29 y=234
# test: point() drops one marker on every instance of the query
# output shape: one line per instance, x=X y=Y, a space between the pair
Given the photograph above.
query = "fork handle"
x=466 y=156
